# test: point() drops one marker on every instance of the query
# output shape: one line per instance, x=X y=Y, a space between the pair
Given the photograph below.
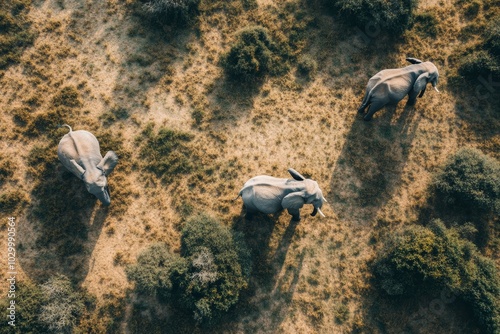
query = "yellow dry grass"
x=373 y=174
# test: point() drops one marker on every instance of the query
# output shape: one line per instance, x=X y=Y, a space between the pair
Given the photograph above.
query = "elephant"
x=392 y=85
x=79 y=152
x=269 y=195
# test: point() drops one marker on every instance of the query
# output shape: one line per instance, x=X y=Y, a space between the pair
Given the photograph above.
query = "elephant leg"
x=295 y=214
x=412 y=98
x=374 y=107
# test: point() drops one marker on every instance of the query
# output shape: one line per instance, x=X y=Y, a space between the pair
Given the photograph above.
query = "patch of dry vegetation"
x=188 y=138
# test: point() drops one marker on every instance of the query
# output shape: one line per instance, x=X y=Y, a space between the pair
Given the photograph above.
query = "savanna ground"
x=98 y=66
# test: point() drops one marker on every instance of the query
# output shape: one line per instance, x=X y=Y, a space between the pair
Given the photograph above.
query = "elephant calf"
x=391 y=86
x=268 y=194
x=79 y=152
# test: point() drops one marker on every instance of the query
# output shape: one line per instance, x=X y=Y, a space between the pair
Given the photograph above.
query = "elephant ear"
x=293 y=200
x=296 y=175
x=108 y=163
x=414 y=60
x=421 y=82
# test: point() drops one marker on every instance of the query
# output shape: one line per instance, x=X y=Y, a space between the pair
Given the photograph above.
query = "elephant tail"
x=66 y=125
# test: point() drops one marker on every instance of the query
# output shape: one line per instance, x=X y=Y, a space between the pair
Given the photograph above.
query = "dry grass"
x=97 y=66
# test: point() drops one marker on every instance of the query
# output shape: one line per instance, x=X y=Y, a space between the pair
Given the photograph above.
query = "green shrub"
x=470 y=181
x=62 y=305
x=206 y=279
x=423 y=259
x=156 y=271
x=218 y=268
x=392 y=17
x=15 y=31
x=252 y=56
x=479 y=63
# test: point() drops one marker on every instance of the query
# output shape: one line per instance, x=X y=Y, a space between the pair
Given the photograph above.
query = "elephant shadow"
x=269 y=238
x=371 y=162
x=66 y=221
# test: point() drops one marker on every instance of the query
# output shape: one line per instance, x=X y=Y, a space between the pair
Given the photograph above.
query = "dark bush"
x=470 y=181
x=391 y=17
x=252 y=56
x=218 y=271
x=170 y=12
x=427 y=24
x=480 y=63
x=492 y=42
x=307 y=66
x=421 y=259
x=156 y=271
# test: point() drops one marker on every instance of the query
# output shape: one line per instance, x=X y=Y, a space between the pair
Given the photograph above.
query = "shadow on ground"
x=371 y=163
x=67 y=221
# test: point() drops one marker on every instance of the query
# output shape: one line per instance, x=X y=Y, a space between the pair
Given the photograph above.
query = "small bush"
x=472 y=9
x=391 y=17
x=11 y=201
x=480 y=63
x=156 y=271
x=166 y=153
x=470 y=181
x=307 y=66
x=6 y=169
x=421 y=259
x=252 y=56
x=62 y=305
x=170 y=11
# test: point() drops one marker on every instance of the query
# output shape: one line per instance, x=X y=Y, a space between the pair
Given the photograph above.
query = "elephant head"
x=79 y=152
x=311 y=194
x=430 y=76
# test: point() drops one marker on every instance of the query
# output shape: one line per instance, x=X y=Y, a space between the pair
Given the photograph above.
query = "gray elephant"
x=268 y=194
x=391 y=86
x=79 y=152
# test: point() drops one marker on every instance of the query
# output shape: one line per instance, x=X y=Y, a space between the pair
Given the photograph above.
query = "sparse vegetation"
x=391 y=17
x=423 y=259
x=166 y=153
x=15 y=31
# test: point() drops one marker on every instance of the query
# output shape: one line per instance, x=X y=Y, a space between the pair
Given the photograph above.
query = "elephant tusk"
x=321 y=213
x=436 y=89
x=324 y=200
